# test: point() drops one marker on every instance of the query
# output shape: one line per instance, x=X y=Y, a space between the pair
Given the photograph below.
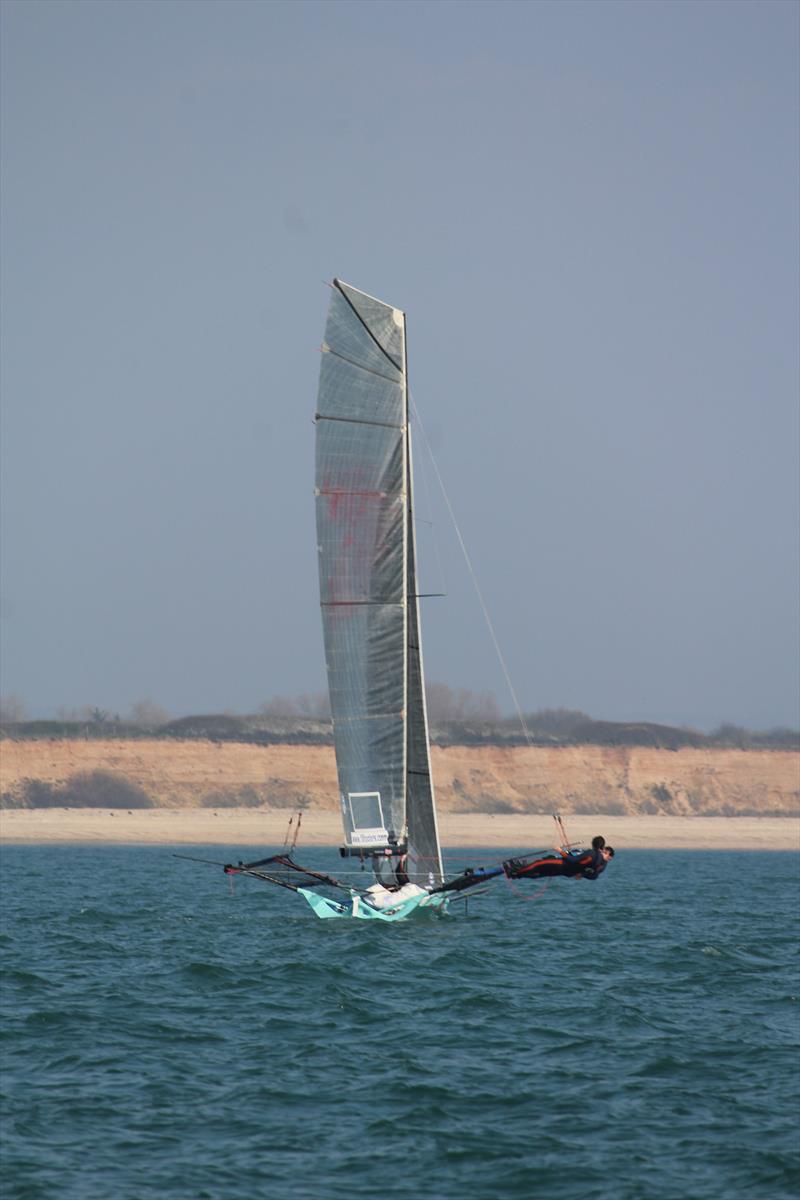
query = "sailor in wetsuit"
x=574 y=864
x=397 y=862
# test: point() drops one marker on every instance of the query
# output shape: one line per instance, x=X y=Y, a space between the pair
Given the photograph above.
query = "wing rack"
x=282 y=870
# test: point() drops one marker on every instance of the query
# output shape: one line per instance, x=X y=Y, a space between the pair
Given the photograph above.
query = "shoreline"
x=265 y=827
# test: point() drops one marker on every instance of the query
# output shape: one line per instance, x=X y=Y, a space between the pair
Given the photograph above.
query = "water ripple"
x=179 y=1040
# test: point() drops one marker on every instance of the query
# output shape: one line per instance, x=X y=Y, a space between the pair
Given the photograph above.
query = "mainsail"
x=368 y=586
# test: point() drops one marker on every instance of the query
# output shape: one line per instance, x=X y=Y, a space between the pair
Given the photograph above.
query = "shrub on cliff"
x=215 y=726
x=88 y=789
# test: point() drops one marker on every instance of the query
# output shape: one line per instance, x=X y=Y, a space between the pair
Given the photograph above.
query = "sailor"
x=397 y=860
x=572 y=864
x=401 y=870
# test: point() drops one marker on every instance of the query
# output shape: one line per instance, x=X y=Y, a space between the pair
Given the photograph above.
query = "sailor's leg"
x=537 y=869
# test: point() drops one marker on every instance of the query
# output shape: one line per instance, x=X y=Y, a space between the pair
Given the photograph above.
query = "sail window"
x=366 y=813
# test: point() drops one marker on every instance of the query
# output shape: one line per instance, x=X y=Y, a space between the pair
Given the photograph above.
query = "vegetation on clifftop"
x=548 y=727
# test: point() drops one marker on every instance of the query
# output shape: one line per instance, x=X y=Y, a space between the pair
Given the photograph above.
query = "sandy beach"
x=253 y=827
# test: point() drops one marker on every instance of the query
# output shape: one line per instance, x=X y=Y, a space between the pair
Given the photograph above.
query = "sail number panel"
x=366 y=815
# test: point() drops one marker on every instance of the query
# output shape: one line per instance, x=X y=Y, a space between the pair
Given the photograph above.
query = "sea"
x=170 y=1032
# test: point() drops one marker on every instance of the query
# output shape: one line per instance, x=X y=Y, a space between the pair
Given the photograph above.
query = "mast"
x=422 y=830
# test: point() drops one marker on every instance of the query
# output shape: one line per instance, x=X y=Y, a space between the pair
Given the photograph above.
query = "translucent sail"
x=367 y=579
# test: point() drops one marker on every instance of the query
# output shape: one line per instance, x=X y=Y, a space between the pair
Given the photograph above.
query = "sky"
x=588 y=211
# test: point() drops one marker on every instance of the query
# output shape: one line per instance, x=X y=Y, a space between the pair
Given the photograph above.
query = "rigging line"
x=296 y=832
x=474 y=577
x=191 y=858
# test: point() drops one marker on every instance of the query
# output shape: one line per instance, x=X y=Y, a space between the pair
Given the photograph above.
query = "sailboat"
x=371 y=624
x=370 y=606
x=371 y=628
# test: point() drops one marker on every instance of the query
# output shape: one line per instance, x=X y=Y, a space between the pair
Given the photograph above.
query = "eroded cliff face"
x=621 y=780
x=572 y=779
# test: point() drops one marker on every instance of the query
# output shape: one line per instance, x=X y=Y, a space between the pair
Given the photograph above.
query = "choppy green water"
x=634 y=1038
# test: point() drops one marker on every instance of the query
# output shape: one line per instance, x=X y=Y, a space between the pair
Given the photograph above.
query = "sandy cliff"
x=573 y=779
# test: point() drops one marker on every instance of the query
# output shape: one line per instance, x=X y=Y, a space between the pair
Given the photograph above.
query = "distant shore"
x=256 y=828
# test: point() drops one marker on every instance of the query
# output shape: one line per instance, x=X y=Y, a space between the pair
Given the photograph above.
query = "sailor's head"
x=598 y=842
x=608 y=851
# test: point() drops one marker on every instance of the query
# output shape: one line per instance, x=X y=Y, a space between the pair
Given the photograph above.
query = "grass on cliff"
x=549 y=727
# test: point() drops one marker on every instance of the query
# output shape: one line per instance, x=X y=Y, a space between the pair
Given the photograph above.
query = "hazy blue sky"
x=589 y=213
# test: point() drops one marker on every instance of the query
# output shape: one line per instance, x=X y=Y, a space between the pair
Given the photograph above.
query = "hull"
x=359 y=909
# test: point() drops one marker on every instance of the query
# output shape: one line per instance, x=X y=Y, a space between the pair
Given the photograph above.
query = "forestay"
x=368 y=589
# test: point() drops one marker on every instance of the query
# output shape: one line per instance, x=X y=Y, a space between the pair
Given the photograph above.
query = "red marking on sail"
x=336 y=496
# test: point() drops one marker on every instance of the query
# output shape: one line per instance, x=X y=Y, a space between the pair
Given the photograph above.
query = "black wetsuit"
x=587 y=864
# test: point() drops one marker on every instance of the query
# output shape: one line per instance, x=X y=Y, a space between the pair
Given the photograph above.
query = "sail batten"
x=326 y=349
x=357 y=603
x=356 y=421
x=368 y=591
x=369 y=717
